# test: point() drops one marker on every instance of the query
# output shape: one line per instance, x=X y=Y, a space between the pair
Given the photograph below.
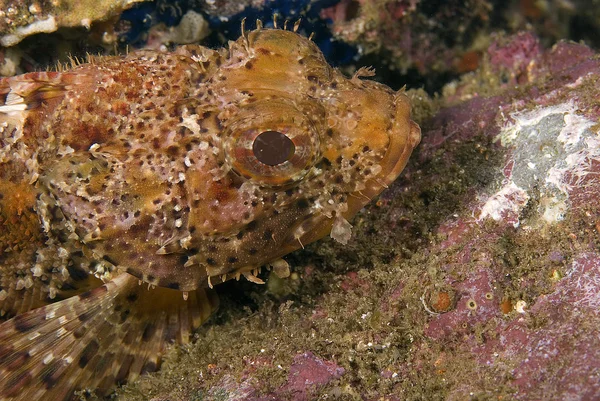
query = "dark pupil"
x=273 y=148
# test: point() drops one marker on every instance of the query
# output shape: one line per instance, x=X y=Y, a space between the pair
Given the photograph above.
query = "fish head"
x=302 y=147
x=233 y=158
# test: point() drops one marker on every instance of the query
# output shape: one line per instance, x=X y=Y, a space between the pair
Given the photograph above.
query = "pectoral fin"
x=92 y=341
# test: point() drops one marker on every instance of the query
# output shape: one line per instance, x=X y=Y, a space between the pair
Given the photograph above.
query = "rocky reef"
x=476 y=275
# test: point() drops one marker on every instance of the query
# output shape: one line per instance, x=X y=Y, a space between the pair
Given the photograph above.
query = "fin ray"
x=110 y=334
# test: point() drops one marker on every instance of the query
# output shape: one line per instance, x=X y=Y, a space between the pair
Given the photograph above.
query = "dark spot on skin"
x=88 y=353
x=25 y=322
x=251 y=226
x=248 y=65
x=109 y=260
x=18 y=359
x=240 y=235
x=232 y=259
x=132 y=297
x=124 y=370
x=77 y=273
x=173 y=286
x=302 y=204
x=268 y=235
x=252 y=251
x=211 y=262
x=124 y=315
x=51 y=373
x=129 y=337
x=312 y=78
x=85 y=316
x=149 y=331
x=150 y=278
x=79 y=332
x=212 y=248
x=95 y=292
x=149 y=367
x=15 y=384
x=183 y=259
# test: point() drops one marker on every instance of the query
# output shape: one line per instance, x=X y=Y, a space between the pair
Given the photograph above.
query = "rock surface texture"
x=477 y=274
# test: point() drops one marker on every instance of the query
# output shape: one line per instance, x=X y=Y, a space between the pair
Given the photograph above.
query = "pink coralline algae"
x=529 y=275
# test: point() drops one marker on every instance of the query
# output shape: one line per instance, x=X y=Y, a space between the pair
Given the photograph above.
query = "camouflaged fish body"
x=180 y=170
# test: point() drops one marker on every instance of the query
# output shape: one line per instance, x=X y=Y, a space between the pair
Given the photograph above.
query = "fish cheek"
x=125 y=219
x=218 y=206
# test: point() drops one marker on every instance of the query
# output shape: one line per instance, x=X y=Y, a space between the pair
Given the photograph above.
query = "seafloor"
x=476 y=275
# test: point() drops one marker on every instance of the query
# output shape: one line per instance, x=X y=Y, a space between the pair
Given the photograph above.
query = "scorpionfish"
x=131 y=185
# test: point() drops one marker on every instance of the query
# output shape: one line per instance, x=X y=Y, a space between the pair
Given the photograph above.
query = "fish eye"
x=273 y=148
x=271 y=143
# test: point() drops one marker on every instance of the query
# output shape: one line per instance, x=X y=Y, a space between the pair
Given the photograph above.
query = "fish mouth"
x=404 y=137
x=400 y=151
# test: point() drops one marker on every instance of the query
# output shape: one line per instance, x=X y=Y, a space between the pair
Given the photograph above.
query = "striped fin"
x=94 y=340
x=27 y=91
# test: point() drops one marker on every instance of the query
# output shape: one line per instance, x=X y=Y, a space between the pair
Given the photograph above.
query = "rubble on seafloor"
x=476 y=275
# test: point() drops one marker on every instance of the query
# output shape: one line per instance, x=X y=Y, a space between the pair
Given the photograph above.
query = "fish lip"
x=399 y=149
x=403 y=152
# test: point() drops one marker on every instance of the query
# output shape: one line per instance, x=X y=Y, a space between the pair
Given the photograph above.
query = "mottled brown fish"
x=179 y=170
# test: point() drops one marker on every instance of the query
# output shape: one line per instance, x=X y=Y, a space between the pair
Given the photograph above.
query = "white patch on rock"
x=510 y=199
x=577 y=166
x=44 y=25
x=511 y=131
x=553 y=149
